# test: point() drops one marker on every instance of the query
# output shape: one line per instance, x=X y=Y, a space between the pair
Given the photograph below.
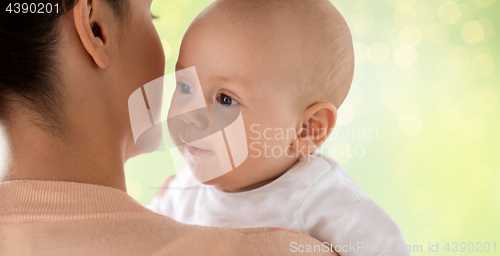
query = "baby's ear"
x=315 y=126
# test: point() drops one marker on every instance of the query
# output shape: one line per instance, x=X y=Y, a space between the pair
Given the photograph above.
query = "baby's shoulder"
x=337 y=198
x=332 y=183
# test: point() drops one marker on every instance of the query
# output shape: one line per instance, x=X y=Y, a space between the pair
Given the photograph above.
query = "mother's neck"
x=88 y=152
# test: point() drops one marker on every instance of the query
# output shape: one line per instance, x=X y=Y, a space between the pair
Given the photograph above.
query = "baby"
x=287 y=65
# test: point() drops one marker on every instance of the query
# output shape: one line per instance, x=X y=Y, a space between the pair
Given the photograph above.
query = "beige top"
x=69 y=218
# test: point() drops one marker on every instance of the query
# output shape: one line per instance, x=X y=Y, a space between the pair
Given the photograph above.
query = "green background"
x=419 y=129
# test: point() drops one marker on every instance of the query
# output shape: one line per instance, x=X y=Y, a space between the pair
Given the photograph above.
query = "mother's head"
x=65 y=81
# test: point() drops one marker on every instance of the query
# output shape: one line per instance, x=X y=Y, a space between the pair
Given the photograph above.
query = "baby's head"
x=286 y=64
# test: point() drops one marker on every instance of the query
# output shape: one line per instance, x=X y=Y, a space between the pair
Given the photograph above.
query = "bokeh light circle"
x=483 y=64
x=467 y=15
x=405 y=56
x=345 y=115
x=410 y=35
x=405 y=15
x=449 y=13
x=361 y=23
x=167 y=49
x=472 y=32
x=484 y=3
x=488 y=27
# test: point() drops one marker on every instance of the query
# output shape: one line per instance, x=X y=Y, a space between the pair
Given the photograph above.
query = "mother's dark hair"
x=28 y=58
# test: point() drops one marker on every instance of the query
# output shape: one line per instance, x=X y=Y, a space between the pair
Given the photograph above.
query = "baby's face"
x=236 y=70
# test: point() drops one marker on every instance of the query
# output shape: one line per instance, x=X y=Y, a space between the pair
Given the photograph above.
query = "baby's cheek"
x=268 y=131
x=268 y=142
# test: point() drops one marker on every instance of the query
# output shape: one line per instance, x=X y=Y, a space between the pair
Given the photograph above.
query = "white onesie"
x=314 y=197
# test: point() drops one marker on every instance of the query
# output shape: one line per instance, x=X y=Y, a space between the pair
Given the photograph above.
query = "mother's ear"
x=316 y=124
x=92 y=25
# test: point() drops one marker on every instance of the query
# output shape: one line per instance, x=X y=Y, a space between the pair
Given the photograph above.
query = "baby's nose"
x=198 y=118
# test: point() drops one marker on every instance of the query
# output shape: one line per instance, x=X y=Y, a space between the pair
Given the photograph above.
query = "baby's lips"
x=198 y=145
x=200 y=148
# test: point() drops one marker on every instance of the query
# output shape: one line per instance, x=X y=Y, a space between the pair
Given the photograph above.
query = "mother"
x=64 y=86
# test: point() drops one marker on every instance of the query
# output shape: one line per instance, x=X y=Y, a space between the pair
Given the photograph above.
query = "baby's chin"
x=216 y=181
x=227 y=182
x=234 y=181
x=208 y=170
x=224 y=183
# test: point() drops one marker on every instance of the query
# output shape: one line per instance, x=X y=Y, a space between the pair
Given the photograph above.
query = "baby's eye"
x=185 y=89
x=225 y=100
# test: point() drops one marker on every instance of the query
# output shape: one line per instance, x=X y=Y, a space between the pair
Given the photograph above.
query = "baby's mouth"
x=194 y=151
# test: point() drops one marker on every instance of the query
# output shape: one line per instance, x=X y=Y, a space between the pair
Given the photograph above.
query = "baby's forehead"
x=250 y=47
x=257 y=55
